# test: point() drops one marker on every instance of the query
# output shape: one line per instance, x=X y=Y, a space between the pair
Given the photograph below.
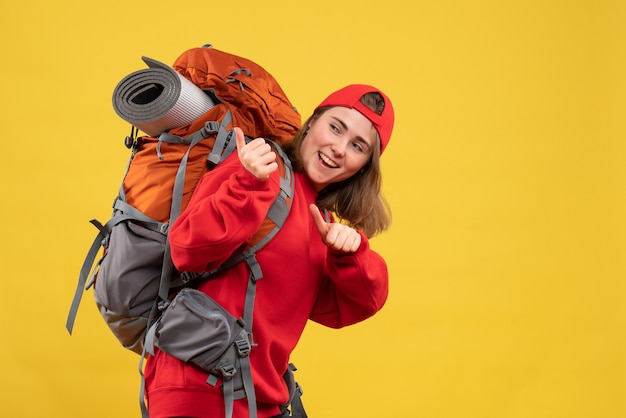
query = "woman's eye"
x=357 y=146
x=334 y=128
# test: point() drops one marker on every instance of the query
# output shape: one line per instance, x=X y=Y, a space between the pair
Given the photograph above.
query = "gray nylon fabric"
x=129 y=280
x=129 y=331
x=196 y=329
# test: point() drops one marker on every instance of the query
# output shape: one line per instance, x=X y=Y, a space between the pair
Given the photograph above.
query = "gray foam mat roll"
x=158 y=98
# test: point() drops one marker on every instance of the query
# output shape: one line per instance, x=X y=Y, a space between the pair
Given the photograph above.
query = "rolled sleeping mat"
x=158 y=98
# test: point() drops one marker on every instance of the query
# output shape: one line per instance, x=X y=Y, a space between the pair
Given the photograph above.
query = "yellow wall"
x=505 y=172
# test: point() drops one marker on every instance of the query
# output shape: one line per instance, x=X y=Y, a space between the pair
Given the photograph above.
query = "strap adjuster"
x=227 y=370
x=243 y=347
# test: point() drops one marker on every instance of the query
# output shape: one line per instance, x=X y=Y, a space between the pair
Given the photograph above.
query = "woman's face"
x=338 y=144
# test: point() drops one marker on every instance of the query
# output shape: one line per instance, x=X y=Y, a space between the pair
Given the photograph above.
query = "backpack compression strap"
x=226 y=146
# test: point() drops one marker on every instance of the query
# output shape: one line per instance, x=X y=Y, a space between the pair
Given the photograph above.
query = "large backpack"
x=136 y=284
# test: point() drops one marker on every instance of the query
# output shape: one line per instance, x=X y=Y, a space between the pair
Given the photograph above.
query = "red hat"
x=350 y=96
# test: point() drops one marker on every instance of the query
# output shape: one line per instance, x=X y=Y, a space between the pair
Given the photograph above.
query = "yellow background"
x=505 y=173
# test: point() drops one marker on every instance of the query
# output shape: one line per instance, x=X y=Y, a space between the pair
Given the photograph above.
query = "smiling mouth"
x=327 y=161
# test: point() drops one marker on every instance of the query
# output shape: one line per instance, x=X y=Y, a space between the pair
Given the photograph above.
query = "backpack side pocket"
x=196 y=329
x=127 y=283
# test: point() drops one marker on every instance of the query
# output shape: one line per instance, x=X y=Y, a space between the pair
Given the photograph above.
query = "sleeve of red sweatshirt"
x=226 y=209
x=354 y=288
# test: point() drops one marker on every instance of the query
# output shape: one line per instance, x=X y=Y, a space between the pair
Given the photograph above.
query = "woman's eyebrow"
x=345 y=128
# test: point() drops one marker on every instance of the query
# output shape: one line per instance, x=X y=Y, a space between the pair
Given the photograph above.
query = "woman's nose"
x=339 y=148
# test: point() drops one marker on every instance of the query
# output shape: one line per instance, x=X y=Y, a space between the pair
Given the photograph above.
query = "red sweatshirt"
x=302 y=279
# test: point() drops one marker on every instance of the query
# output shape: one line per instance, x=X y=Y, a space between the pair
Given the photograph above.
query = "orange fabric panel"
x=269 y=115
x=149 y=182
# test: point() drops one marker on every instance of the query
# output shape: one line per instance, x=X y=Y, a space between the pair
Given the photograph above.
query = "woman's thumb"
x=320 y=223
x=240 y=138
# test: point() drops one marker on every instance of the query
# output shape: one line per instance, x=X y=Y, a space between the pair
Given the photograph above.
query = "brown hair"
x=358 y=200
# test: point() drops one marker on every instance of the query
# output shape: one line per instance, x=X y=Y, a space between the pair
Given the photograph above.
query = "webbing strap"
x=223 y=145
x=243 y=376
x=179 y=183
x=209 y=128
x=82 y=280
x=148 y=348
x=129 y=212
x=177 y=196
x=280 y=208
x=248 y=385
x=142 y=389
x=121 y=193
x=228 y=388
x=148 y=345
x=282 y=204
x=248 y=308
x=245 y=370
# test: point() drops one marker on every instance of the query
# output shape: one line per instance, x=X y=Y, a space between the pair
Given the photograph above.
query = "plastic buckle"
x=188 y=276
x=228 y=370
x=162 y=305
x=212 y=126
x=243 y=347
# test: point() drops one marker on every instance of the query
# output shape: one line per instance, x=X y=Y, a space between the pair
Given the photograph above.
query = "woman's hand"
x=335 y=235
x=256 y=156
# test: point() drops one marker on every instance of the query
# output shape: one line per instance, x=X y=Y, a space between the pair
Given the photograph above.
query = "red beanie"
x=350 y=96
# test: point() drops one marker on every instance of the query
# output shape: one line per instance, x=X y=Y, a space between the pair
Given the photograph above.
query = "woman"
x=325 y=272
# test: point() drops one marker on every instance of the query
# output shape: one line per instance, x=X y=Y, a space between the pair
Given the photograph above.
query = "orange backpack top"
x=262 y=107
